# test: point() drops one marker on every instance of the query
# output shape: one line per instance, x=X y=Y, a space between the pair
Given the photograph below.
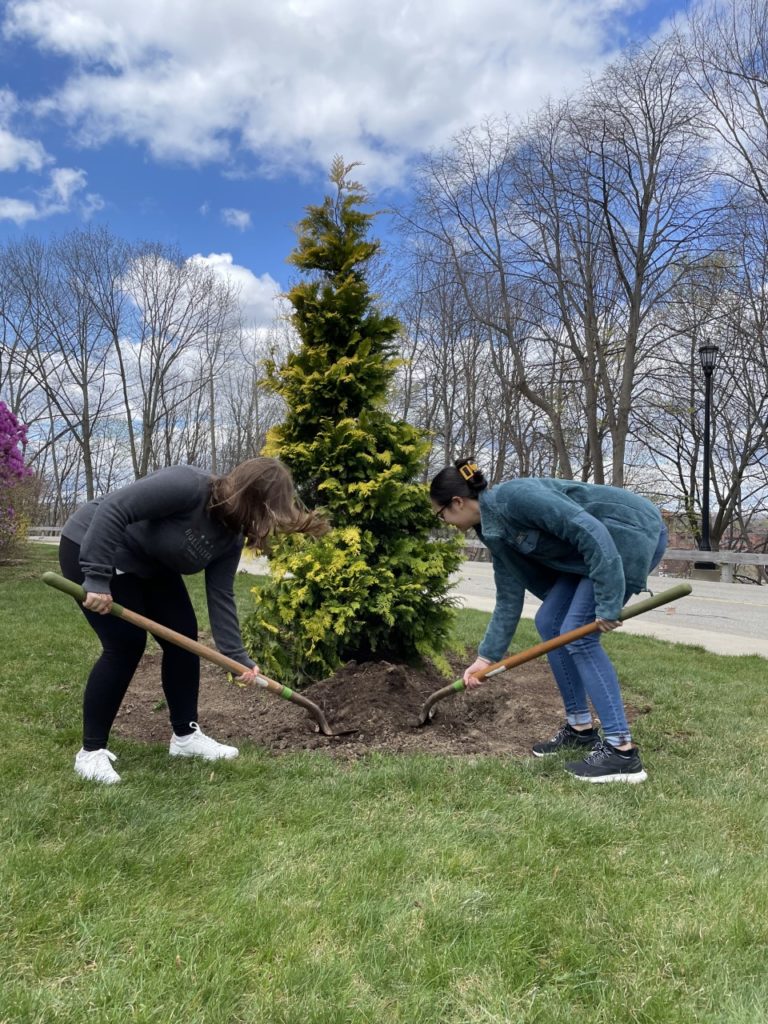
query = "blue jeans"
x=582 y=669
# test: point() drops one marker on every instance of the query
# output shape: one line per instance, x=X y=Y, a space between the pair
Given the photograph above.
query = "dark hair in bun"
x=461 y=480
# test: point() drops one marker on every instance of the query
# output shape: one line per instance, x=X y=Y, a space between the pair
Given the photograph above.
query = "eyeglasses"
x=439 y=514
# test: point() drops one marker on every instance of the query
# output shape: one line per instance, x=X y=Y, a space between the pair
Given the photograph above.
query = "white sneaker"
x=197 y=744
x=96 y=766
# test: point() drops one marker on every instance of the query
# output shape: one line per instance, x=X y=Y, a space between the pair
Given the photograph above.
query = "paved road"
x=726 y=618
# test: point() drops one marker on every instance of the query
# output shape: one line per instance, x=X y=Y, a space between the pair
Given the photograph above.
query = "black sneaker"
x=567 y=737
x=607 y=764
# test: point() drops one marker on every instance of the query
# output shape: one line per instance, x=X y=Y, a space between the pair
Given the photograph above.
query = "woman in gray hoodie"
x=134 y=545
x=584 y=549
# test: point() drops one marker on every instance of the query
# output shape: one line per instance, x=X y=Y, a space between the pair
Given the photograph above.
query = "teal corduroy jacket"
x=538 y=529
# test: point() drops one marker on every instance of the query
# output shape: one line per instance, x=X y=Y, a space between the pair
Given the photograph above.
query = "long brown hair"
x=258 y=499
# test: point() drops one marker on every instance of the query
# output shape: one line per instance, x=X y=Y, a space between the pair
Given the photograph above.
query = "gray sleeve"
x=222 y=610
x=162 y=494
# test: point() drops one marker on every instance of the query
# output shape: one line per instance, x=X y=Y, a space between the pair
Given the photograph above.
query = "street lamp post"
x=708 y=356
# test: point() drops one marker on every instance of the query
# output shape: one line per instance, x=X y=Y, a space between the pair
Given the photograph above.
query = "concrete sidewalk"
x=725 y=618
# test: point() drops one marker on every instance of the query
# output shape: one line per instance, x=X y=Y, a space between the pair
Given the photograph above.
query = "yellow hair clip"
x=468 y=470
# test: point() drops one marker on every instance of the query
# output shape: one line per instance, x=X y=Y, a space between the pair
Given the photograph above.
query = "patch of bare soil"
x=378 y=700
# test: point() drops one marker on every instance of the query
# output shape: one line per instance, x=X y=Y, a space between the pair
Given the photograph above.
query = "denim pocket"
x=525 y=541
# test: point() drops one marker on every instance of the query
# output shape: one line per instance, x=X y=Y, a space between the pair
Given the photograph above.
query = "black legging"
x=162 y=598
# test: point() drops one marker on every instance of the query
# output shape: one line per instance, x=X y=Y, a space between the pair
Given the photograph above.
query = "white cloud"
x=296 y=82
x=259 y=296
x=17 y=152
x=17 y=210
x=239 y=219
x=92 y=203
x=66 y=184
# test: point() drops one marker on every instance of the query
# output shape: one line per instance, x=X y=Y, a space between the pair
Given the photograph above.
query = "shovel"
x=75 y=590
x=428 y=709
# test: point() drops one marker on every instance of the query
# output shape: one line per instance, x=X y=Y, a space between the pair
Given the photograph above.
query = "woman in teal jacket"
x=584 y=549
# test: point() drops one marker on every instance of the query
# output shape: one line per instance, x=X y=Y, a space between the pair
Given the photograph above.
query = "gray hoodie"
x=156 y=525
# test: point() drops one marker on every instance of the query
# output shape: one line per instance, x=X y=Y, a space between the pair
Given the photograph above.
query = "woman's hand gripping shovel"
x=428 y=709
x=76 y=591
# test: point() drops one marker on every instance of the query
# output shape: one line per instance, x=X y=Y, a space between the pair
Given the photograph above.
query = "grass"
x=398 y=890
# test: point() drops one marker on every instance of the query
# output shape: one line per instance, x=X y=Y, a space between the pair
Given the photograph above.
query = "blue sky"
x=212 y=126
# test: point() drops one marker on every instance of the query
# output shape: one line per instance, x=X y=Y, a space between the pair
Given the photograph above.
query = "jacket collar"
x=491 y=522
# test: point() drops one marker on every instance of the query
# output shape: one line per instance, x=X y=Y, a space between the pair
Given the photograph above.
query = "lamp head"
x=708 y=356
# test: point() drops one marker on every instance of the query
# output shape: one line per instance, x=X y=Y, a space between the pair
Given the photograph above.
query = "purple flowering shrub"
x=14 y=475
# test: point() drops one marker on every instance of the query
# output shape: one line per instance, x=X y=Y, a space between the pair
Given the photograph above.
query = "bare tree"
x=564 y=252
x=726 y=50
x=652 y=180
x=446 y=372
x=723 y=303
x=249 y=409
x=18 y=382
x=566 y=234
x=66 y=348
x=463 y=204
x=175 y=308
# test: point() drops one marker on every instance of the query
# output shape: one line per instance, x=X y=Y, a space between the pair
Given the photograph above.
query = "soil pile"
x=378 y=700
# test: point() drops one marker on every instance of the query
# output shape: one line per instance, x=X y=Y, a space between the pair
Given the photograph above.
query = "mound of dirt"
x=378 y=700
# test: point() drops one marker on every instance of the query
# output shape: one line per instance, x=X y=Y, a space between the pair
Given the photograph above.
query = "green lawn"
x=398 y=890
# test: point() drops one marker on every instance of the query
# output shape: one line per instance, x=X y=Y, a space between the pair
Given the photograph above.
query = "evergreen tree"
x=376 y=586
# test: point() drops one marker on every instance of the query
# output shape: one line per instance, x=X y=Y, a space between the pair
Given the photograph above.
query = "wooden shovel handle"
x=655 y=601
x=157 y=629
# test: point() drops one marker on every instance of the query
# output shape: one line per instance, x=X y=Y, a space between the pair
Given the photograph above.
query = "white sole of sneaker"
x=571 y=751
x=95 y=778
x=203 y=757
x=631 y=777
